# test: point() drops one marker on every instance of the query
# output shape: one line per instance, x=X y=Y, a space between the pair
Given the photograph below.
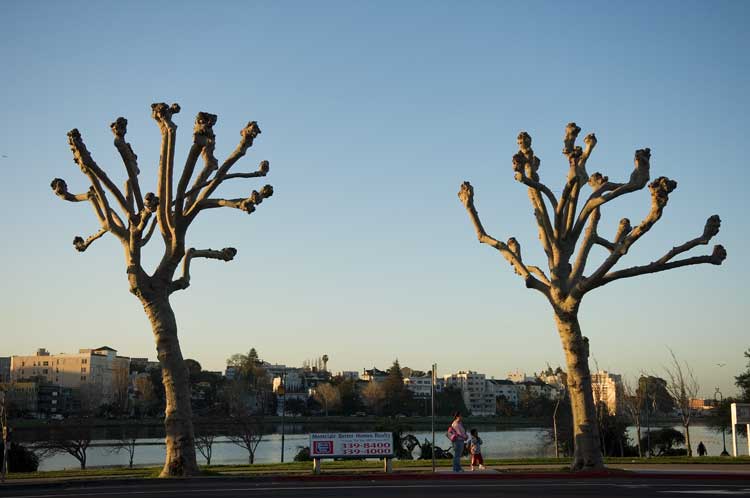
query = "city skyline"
x=371 y=118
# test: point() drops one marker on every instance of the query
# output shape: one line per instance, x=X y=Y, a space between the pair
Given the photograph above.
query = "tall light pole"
x=281 y=390
x=723 y=435
x=4 y=427
x=432 y=381
x=649 y=408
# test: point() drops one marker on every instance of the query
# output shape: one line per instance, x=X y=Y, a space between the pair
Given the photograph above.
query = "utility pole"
x=282 y=388
x=434 y=379
x=4 y=426
x=718 y=407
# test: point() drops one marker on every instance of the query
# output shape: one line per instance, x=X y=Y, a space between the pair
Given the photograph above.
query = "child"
x=475 y=448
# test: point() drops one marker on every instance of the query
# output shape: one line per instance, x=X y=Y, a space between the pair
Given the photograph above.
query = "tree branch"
x=263 y=169
x=150 y=232
x=247 y=134
x=608 y=192
x=625 y=238
x=61 y=190
x=526 y=165
x=511 y=251
x=716 y=258
x=119 y=129
x=89 y=167
x=211 y=164
x=162 y=114
x=710 y=229
x=202 y=133
x=247 y=204
x=583 y=253
x=226 y=254
x=81 y=245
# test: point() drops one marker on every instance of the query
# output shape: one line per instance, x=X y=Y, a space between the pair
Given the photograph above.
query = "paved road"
x=482 y=488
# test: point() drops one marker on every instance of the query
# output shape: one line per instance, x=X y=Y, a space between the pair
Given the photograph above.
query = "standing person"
x=457 y=435
x=475 y=448
x=702 y=451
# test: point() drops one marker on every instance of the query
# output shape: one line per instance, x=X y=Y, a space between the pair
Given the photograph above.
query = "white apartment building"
x=607 y=389
x=99 y=373
x=421 y=386
x=518 y=376
x=507 y=389
x=478 y=393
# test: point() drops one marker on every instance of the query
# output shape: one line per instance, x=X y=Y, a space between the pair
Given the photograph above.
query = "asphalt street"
x=469 y=488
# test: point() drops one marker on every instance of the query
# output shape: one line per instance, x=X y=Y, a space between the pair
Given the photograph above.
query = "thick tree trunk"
x=178 y=416
x=587 y=454
x=688 y=446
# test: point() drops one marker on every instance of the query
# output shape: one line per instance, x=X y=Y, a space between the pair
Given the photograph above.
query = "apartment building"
x=421 y=386
x=4 y=369
x=478 y=393
x=99 y=374
x=607 y=389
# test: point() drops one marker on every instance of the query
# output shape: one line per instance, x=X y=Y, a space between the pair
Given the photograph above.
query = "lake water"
x=512 y=443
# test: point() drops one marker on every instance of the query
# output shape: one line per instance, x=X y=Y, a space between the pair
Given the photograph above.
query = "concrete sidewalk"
x=541 y=471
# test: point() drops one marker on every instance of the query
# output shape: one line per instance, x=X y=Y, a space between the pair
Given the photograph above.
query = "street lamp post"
x=649 y=408
x=723 y=434
x=432 y=414
x=281 y=390
x=4 y=428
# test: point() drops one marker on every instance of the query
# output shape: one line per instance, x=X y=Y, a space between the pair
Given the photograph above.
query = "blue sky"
x=372 y=115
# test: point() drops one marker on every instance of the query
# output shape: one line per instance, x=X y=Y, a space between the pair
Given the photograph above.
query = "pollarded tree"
x=567 y=235
x=131 y=217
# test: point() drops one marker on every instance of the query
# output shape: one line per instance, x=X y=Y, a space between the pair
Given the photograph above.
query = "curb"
x=498 y=476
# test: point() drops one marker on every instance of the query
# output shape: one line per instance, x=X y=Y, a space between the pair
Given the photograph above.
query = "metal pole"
x=4 y=428
x=434 y=378
x=648 y=431
x=723 y=434
x=554 y=424
x=283 y=412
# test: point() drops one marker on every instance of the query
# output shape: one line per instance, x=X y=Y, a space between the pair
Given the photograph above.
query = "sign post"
x=351 y=445
x=432 y=381
x=740 y=416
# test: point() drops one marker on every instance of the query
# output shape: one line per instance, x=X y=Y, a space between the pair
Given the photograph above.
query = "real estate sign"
x=740 y=416
x=351 y=445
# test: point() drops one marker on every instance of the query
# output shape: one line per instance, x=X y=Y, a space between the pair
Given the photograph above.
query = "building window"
x=83 y=370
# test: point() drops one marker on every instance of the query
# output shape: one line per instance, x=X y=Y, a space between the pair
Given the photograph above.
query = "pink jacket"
x=459 y=428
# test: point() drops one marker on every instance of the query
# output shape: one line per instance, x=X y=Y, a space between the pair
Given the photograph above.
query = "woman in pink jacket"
x=458 y=437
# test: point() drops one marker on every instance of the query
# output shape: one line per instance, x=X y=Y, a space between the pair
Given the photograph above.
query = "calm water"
x=513 y=443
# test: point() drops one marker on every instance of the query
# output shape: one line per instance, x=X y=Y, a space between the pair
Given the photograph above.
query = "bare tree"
x=328 y=396
x=205 y=436
x=563 y=229
x=634 y=400
x=127 y=442
x=682 y=387
x=173 y=209
x=73 y=437
x=246 y=431
x=373 y=396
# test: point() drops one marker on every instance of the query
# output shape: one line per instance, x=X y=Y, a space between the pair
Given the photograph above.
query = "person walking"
x=475 y=448
x=702 y=451
x=457 y=435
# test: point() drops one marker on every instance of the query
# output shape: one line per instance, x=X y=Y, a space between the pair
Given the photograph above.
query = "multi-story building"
x=99 y=374
x=607 y=389
x=4 y=369
x=507 y=389
x=348 y=375
x=479 y=394
x=518 y=376
x=421 y=386
x=374 y=375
